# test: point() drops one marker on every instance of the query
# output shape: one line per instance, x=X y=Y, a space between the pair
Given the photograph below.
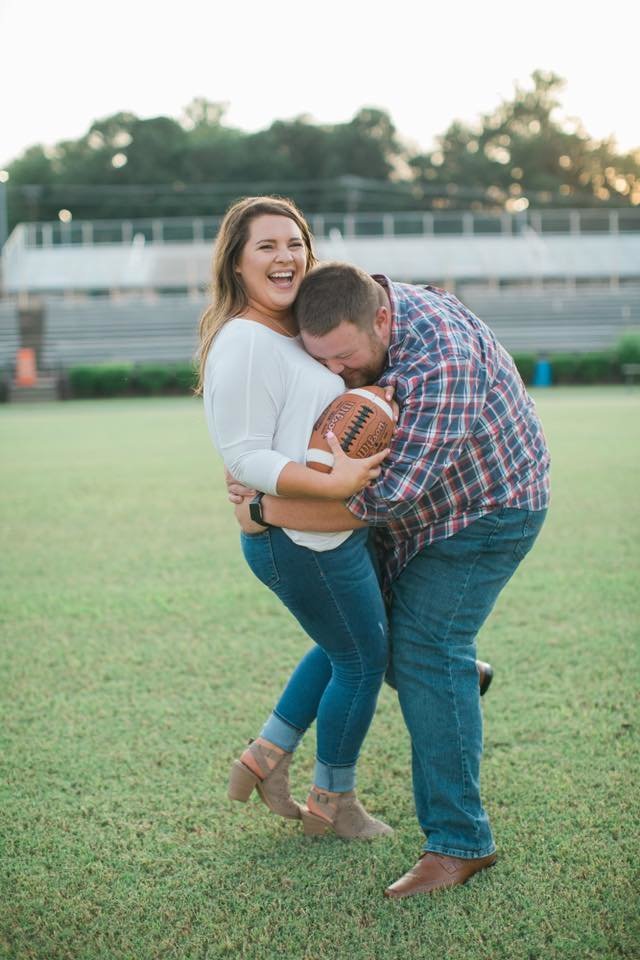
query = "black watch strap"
x=255 y=510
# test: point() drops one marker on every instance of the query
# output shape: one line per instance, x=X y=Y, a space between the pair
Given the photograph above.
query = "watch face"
x=255 y=509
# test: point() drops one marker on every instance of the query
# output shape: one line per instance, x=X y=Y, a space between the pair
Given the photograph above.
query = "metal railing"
x=327 y=225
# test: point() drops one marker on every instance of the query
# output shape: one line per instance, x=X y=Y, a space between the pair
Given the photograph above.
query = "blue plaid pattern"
x=468 y=439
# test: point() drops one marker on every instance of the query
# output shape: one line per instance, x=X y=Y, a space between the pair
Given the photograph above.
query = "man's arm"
x=320 y=515
x=440 y=405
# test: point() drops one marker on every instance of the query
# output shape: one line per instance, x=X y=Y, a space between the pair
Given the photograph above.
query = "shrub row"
x=603 y=366
x=128 y=379
x=567 y=368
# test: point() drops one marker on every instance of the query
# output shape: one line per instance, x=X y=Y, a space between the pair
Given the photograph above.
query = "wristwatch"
x=255 y=510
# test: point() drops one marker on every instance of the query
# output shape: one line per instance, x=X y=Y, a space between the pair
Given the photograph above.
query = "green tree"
x=521 y=153
x=517 y=155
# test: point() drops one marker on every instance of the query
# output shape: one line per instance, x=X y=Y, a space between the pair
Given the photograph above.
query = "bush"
x=105 y=380
x=112 y=380
x=525 y=364
x=152 y=379
x=564 y=367
x=186 y=377
x=628 y=348
x=596 y=368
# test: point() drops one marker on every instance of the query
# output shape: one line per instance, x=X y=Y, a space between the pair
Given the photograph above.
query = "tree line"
x=517 y=156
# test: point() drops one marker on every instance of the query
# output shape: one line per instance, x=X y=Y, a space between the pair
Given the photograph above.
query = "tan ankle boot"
x=272 y=784
x=345 y=815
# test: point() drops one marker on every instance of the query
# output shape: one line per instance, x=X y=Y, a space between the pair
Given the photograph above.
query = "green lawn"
x=138 y=654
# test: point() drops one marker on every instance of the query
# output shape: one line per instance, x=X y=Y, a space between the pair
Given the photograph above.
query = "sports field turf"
x=138 y=654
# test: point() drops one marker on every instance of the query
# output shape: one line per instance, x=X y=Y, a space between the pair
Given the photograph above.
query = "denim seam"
x=265 y=540
x=465 y=778
x=333 y=777
x=356 y=647
x=273 y=560
x=518 y=552
x=288 y=722
x=336 y=766
x=461 y=854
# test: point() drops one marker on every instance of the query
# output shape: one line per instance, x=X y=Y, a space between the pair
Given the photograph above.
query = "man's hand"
x=388 y=395
x=237 y=492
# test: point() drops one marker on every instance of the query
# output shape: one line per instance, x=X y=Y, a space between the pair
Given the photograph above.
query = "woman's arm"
x=244 y=402
x=347 y=476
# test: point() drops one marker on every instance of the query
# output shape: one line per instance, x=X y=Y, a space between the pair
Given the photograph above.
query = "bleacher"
x=105 y=331
x=166 y=329
x=9 y=334
x=556 y=321
x=129 y=291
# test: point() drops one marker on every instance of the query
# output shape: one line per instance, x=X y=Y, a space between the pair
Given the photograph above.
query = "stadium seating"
x=9 y=334
x=136 y=294
x=101 y=330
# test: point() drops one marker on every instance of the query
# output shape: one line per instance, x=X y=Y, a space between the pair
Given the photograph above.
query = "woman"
x=262 y=394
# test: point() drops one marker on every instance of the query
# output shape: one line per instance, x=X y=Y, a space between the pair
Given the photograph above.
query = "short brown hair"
x=334 y=292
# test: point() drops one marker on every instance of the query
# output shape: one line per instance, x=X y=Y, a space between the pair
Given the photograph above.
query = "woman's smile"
x=273 y=262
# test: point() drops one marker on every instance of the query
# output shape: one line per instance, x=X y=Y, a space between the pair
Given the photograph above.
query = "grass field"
x=138 y=654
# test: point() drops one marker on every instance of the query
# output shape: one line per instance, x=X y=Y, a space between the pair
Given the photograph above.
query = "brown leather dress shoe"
x=434 y=871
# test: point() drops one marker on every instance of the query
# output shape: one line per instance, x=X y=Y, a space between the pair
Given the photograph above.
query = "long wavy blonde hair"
x=229 y=297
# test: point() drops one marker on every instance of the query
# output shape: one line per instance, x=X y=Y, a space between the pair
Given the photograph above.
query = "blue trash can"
x=542 y=373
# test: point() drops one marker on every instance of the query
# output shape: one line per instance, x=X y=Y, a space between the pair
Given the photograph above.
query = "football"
x=362 y=421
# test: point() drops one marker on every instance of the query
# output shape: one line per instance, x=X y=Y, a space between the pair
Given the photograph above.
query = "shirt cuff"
x=261 y=470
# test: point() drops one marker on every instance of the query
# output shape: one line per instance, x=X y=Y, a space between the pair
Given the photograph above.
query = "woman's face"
x=273 y=262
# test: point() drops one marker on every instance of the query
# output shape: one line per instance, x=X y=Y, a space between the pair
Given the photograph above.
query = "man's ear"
x=382 y=322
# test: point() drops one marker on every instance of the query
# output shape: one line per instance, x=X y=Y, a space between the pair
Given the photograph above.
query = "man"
x=461 y=500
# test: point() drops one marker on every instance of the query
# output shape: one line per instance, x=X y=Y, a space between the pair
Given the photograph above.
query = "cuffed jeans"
x=439 y=602
x=336 y=598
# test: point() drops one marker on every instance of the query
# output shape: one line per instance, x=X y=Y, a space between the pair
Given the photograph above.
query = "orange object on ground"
x=26 y=373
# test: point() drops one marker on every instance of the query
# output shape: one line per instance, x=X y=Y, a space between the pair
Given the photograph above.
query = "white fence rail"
x=174 y=230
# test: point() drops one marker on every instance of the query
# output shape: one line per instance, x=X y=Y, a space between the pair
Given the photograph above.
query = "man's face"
x=357 y=355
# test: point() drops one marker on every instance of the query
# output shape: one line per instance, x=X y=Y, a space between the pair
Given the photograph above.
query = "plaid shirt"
x=468 y=439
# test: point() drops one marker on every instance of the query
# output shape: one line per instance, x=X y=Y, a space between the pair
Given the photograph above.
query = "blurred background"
x=422 y=156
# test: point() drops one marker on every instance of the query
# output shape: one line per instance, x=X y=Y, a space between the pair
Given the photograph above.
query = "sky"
x=65 y=64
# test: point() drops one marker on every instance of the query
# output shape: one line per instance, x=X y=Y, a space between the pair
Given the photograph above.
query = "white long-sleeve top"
x=262 y=396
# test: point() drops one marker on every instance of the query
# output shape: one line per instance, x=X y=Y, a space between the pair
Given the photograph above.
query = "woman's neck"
x=282 y=321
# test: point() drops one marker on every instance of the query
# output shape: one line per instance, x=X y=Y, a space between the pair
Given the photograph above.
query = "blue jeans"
x=336 y=599
x=439 y=602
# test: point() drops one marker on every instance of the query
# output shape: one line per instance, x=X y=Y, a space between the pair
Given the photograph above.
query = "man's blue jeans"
x=336 y=598
x=439 y=602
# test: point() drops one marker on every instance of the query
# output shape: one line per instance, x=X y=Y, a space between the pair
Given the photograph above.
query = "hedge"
x=128 y=379
x=602 y=366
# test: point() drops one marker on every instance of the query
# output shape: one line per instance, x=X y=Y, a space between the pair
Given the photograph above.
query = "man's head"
x=345 y=321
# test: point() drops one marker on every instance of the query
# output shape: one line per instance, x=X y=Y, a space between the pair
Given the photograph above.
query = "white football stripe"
x=374 y=399
x=320 y=456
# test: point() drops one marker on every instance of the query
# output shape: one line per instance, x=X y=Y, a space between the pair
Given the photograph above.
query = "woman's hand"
x=242 y=516
x=348 y=475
